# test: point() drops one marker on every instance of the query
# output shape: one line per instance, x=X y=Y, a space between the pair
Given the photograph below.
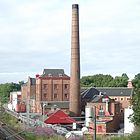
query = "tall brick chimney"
x=75 y=97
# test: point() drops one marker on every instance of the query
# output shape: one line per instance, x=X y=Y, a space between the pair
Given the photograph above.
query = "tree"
x=120 y=81
x=100 y=80
x=136 y=100
x=5 y=90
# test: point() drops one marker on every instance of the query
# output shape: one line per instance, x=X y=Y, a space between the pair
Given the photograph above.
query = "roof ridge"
x=113 y=87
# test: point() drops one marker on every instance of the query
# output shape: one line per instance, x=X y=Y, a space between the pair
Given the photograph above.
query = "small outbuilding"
x=59 y=117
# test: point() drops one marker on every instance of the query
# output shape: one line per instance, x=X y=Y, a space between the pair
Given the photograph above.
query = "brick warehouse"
x=52 y=85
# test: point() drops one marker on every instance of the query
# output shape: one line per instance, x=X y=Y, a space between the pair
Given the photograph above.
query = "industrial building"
x=54 y=90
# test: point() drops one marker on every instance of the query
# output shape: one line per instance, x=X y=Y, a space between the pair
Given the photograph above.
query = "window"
x=55 y=86
x=116 y=99
x=45 y=86
x=128 y=99
x=55 y=96
x=66 y=95
x=121 y=99
x=101 y=111
x=45 y=95
x=101 y=107
x=66 y=86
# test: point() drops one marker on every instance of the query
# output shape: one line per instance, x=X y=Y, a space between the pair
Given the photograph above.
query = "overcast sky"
x=36 y=34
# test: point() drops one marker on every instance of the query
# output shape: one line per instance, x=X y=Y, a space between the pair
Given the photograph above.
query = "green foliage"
x=100 y=80
x=6 y=88
x=136 y=100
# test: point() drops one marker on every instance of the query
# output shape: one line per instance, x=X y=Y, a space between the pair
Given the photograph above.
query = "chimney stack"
x=75 y=96
x=129 y=84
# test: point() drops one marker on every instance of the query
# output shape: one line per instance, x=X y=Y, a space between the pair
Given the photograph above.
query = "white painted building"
x=88 y=115
x=128 y=125
x=14 y=97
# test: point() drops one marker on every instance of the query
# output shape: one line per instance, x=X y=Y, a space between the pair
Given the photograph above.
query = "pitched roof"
x=96 y=98
x=59 y=117
x=115 y=91
x=89 y=93
x=53 y=72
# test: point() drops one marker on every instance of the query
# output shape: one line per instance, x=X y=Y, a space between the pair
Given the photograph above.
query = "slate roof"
x=90 y=93
x=96 y=98
x=54 y=72
x=116 y=91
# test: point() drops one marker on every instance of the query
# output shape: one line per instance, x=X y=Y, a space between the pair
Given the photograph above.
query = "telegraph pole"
x=94 y=118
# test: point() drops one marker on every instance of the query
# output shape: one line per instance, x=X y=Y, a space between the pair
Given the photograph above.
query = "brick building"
x=119 y=94
x=51 y=87
x=29 y=90
x=122 y=95
x=107 y=113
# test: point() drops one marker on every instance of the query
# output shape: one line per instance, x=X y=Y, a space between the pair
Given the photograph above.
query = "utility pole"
x=94 y=120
